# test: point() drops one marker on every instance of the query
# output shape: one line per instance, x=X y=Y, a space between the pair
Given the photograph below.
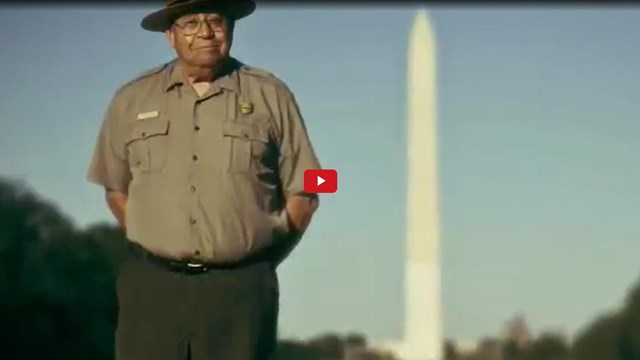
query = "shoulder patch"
x=147 y=73
x=260 y=73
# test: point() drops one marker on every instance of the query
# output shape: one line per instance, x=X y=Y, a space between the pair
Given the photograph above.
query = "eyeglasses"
x=192 y=26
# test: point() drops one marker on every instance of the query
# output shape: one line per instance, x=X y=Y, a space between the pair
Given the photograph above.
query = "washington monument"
x=422 y=318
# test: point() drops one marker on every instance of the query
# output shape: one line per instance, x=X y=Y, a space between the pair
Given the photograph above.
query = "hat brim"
x=162 y=20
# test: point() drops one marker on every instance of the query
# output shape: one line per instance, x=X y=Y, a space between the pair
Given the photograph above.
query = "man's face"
x=201 y=39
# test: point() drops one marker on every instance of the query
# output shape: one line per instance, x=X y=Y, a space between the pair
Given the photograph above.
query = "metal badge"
x=245 y=108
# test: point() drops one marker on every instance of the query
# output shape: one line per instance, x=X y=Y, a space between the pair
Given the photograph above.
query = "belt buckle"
x=197 y=267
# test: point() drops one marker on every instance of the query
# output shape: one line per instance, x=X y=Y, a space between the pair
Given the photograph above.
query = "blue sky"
x=538 y=121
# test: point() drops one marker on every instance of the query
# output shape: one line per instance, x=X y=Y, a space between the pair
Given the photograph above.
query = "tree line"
x=58 y=301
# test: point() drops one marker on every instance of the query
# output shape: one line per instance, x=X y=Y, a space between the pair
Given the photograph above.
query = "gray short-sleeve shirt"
x=206 y=177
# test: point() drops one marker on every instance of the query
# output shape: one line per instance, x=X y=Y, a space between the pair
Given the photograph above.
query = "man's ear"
x=170 y=38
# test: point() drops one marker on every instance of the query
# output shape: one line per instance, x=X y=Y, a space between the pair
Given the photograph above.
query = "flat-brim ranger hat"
x=162 y=20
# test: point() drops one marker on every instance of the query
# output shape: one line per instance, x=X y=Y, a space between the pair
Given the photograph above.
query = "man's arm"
x=296 y=156
x=117 y=202
x=109 y=165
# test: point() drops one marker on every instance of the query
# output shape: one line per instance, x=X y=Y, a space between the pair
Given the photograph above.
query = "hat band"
x=176 y=2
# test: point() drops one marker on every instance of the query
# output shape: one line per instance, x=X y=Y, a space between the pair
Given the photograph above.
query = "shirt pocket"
x=148 y=145
x=247 y=145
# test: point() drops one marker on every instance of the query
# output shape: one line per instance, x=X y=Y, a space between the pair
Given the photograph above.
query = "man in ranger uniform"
x=202 y=160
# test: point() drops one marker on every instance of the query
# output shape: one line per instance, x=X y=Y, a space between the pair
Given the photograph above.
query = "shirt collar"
x=229 y=80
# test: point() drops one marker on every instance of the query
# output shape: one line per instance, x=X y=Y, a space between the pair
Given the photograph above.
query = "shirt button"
x=197 y=128
x=197 y=252
x=195 y=157
x=192 y=221
x=192 y=188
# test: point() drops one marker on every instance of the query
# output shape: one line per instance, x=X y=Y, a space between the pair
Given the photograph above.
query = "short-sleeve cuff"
x=108 y=183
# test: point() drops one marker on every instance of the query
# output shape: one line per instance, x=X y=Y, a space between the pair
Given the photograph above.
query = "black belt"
x=184 y=266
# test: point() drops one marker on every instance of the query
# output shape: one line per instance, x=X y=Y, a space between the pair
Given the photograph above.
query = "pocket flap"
x=144 y=129
x=245 y=131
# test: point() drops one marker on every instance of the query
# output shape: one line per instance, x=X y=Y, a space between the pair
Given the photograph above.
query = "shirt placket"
x=194 y=231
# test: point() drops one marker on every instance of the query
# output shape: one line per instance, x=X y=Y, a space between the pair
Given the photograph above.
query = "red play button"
x=320 y=181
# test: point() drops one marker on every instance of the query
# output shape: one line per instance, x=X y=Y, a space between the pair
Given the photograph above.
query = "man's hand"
x=297 y=215
x=117 y=202
x=300 y=209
